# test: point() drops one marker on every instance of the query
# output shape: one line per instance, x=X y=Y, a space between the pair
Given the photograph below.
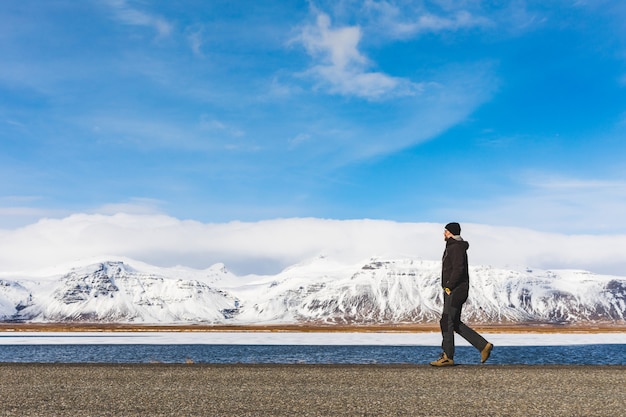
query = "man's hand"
x=447 y=290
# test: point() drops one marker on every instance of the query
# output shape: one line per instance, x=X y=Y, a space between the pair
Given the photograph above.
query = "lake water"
x=308 y=354
x=312 y=348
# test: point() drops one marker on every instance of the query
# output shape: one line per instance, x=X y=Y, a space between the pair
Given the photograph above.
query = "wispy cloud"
x=23 y=214
x=562 y=184
x=405 y=22
x=210 y=124
x=23 y=211
x=298 y=139
x=425 y=108
x=557 y=203
x=195 y=37
x=129 y=15
x=343 y=69
x=135 y=206
x=142 y=131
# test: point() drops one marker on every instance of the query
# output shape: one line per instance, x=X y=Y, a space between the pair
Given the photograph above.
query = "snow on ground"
x=295 y=338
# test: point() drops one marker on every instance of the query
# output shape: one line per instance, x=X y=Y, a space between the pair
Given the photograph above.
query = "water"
x=603 y=354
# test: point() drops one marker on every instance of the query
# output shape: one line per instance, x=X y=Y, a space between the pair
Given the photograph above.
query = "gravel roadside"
x=310 y=390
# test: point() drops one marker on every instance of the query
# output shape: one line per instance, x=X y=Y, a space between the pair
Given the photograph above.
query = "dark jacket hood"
x=452 y=241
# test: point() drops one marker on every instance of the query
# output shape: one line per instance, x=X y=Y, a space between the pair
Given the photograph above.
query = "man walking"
x=455 y=283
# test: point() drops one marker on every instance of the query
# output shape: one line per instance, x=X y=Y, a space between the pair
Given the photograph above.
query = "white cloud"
x=569 y=205
x=135 y=17
x=402 y=22
x=459 y=20
x=146 y=131
x=561 y=184
x=298 y=139
x=443 y=104
x=397 y=23
x=423 y=109
x=195 y=37
x=269 y=246
x=343 y=68
x=339 y=46
x=210 y=124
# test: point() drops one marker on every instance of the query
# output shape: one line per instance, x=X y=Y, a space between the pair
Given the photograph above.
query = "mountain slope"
x=115 y=292
x=319 y=291
x=409 y=291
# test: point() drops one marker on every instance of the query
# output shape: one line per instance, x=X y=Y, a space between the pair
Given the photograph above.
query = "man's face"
x=446 y=234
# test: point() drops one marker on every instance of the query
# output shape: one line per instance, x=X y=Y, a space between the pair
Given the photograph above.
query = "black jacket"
x=454 y=271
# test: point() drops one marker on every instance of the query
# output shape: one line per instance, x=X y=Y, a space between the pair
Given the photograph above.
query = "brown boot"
x=484 y=354
x=443 y=361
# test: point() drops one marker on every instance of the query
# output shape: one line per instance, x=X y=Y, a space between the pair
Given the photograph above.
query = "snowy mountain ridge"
x=378 y=291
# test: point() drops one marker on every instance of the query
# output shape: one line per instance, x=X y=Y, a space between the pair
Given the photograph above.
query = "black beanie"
x=454 y=228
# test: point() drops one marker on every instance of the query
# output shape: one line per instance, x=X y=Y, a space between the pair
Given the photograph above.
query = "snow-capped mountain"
x=400 y=291
x=319 y=291
x=116 y=292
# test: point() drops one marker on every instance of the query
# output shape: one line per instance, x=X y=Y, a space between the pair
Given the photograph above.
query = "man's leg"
x=447 y=323
x=474 y=339
x=471 y=336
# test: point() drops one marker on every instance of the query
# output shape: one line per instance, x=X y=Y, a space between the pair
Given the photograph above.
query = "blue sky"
x=413 y=111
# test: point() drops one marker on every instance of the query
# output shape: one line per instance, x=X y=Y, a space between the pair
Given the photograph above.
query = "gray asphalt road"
x=310 y=390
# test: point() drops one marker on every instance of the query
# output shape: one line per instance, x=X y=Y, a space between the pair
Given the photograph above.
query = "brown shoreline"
x=375 y=328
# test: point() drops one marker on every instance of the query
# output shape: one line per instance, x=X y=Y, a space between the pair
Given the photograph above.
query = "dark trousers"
x=451 y=322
